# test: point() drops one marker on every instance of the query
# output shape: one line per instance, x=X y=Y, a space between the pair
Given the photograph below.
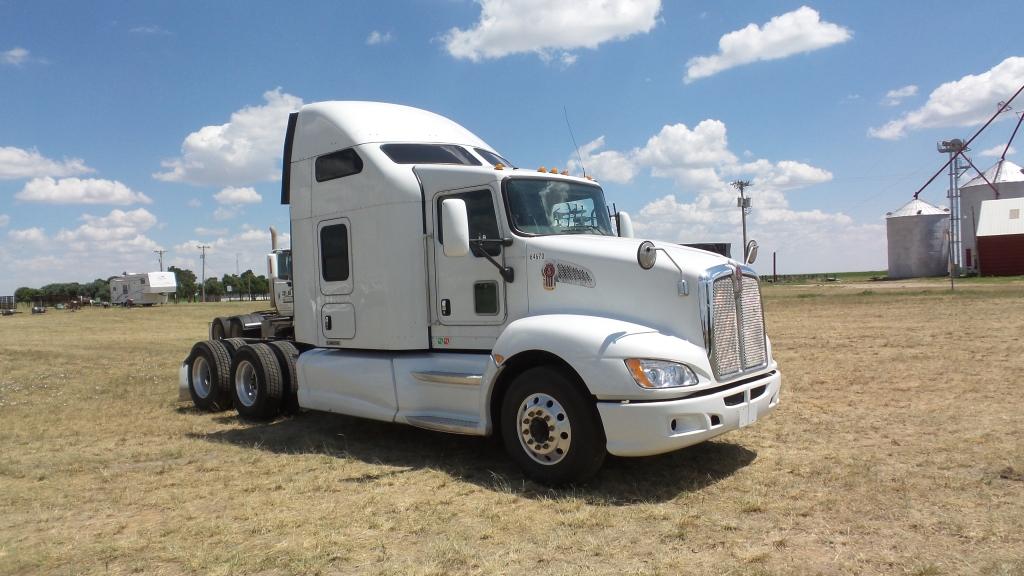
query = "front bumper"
x=646 y=428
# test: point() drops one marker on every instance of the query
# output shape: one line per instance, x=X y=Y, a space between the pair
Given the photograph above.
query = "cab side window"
x=482 y=220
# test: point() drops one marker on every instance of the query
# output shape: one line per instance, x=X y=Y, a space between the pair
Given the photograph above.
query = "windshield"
x=538 y=206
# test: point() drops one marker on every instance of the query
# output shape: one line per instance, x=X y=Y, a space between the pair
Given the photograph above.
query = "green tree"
x=186 y=280
x=98 y=289
x=234 y=282
x=214 y=287
x=248 y=279
x=261 y=286
x=26 y=294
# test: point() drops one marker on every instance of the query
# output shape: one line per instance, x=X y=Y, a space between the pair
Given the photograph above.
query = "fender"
x=596 y=347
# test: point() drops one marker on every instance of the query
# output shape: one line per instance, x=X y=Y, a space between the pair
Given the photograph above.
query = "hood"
x=600 y=276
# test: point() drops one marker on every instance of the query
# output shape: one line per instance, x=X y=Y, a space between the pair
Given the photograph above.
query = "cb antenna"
x=573 y=136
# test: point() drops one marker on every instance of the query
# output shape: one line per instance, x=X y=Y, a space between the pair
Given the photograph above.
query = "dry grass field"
x=898 y=449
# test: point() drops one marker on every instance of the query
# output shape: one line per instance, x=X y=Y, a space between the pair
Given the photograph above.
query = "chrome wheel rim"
x=246 y=383
x=201 y=379
x=543 y=428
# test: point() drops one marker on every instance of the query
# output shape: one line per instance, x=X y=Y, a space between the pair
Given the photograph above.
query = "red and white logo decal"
x=548 y=272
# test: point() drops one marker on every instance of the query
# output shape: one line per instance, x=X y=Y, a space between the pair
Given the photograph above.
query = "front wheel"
x=551 y=429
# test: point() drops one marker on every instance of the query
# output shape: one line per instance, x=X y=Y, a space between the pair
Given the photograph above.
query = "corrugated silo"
x=916 y=235
x=1008 y=180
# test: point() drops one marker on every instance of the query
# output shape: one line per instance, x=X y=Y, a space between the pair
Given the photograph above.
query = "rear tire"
x=217 y=329
x=551 y=429
x=256 y=382
x=209 y=376
x=235 y=328
x=233 y=345
x=287 y=354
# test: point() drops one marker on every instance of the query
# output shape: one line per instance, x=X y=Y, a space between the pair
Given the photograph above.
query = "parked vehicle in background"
x=142 y=289
x=435 y=284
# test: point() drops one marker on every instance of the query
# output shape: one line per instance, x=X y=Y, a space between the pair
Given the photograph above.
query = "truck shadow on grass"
x=482 y=461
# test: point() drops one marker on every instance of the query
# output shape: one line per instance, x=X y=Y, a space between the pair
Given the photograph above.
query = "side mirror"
x=625 y=224
x=455 y=223
x=750 y=253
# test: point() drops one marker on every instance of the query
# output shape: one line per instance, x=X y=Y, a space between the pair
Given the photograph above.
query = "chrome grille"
x=753 y=325
x=734 y=324
x=725 y=351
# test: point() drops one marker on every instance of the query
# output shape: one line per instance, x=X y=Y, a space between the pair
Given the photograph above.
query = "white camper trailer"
x=434 y=284
x=143 y=289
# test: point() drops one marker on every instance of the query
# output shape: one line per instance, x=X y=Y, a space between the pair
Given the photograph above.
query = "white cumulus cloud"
x=801 y=30
x=78 y=191
x=15 y=56
x=702 y=207
x=17 y=163
x=997 y=151
x=246 y=149
x=33 y=235
x=211 y=231
x=232 y=195
x=549 y=29
x=965 y=102
x=895 y=97
x=118 y=231
x=378 y=37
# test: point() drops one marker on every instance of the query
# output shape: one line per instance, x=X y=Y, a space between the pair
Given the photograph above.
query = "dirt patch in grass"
x=897 y=450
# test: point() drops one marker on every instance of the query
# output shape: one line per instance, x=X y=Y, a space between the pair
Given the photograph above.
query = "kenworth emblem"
x=548 y=272
x=737 y=280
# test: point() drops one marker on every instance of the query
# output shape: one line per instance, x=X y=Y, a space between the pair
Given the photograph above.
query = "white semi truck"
x=436 y=285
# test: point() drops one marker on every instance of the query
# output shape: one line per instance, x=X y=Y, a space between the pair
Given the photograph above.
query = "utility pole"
x=203 y=247
x=744 y=205
x=161 y=254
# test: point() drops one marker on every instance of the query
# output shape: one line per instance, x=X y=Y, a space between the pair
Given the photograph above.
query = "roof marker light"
x=542 y=169
x=554 y=171
x=565 y=172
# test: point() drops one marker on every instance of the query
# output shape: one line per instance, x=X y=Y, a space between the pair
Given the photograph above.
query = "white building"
x=1008 y=180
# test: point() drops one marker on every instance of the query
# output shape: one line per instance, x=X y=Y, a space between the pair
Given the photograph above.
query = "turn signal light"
x=499 y=166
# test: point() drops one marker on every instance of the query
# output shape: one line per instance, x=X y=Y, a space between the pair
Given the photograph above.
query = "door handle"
x=327 y=322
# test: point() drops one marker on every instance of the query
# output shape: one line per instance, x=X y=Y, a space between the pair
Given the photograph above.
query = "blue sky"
x=131 y=126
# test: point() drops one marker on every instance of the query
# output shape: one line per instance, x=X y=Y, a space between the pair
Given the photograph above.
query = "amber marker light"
x=637 y=371
x=499 y=166
x=542 y=169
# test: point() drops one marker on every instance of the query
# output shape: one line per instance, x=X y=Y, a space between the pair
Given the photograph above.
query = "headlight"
x=660 y=373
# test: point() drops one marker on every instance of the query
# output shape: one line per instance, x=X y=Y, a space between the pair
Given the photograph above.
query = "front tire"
x=256 y=382
x=551 y=429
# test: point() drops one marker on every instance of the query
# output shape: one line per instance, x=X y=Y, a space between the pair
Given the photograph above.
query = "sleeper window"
x=334 y=253
x=338 y=164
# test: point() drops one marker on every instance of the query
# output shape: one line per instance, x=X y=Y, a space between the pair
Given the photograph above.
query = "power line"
x=161 y=254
